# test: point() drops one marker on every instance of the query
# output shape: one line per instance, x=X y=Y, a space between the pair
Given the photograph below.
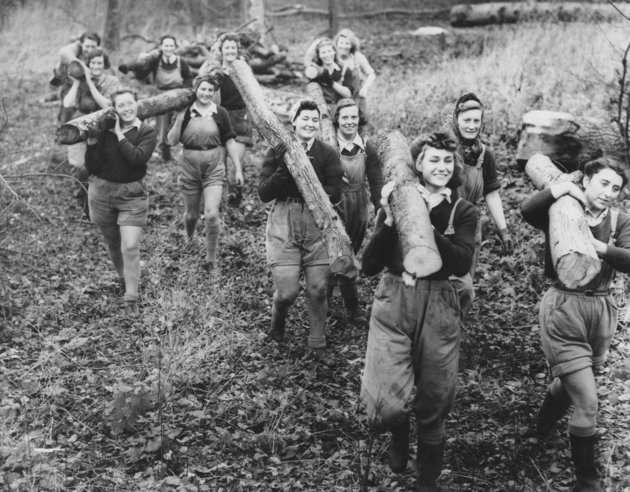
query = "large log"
x=573 y=256
x=92 y=124
x=327 y=129
x=420 y=252
x=567 y=140
x=464 y=15
x=327 y=220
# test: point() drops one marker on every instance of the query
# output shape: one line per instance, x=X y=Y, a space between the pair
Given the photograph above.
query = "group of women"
x=415 y=323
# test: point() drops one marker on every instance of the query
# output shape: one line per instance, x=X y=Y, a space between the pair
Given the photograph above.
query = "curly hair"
x=230 y=36
x=305 y=104
x=440 y=141
x=350 y=36
x=123 y=90
x=324 y=42
x=211 y=79
x=591 y=168
x=95 y=54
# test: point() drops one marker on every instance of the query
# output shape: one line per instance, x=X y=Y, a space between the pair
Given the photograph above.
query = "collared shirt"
x=136 y=124
x=307 y=145
x=435 y=198
x=592 y=220
x=203 y=111
x=170 y=60
x=349 y=145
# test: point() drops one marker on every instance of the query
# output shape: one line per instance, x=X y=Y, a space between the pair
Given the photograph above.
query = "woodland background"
x=186 y=396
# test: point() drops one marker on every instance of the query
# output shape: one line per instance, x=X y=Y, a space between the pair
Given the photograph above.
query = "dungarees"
x=353 y=207
x=471 y=190
x=166 y=80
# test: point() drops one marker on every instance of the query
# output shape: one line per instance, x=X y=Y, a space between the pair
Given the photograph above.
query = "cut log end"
x=343 y=266
x=577 y=269
x=67 y=133
x=422 y=261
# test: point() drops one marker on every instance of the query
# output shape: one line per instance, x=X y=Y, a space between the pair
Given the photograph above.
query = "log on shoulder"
x=329 y=135
x=573 y=256
x=92 y=124
x=420 y=252
x=327 y=220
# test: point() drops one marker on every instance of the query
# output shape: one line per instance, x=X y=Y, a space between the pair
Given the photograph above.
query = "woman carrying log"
x=205 y=131
x=577 y=325
x=86 y=95
x=360 y=161
x=229 y=49
x=415 y=323
x=480 y=180
x=117 y=197
x=293 y=241
x=336 y=80
x=170 y=71
x=363 y=75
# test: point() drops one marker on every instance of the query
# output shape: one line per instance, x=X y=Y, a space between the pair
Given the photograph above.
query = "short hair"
x=90 y=35
x=441 y=141
x=591 y=168
x=230 y=36
x=466 y=103
x=209 y=78
x=320 y=44
x=168 y=36
x=350 y=36
x=95 y=54
x=303 y=105
x=123 y=90
x=347 y=102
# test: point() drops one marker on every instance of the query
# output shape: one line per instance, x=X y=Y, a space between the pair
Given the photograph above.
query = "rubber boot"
x=429 y=460
x=276 y=333
x=583 y=454
x=551 y=411
x=399 y=448
x=356 y=316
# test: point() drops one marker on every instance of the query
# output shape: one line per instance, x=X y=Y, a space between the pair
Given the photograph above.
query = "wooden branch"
x=329 y=135
x=573 y=256
x=92 y=124
x=421 y=256
x=318 y=202
x=299 y=9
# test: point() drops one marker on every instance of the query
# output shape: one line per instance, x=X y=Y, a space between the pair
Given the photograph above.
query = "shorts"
x=199 y=169
x=242 y=126
x=123 y=204
x=292 y=238
x=576 y=330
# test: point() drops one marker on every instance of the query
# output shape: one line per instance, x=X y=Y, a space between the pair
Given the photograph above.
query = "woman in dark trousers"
x=415 y=323
x=335 y=79
x=360 y=161
x=118 y=200
x=205 y=130
x=577 y=325
x=293 y=241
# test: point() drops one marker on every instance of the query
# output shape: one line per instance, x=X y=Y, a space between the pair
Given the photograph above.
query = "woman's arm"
x=233 y=151
x=274 y=177
x=70 y=99
x=457 y=250
x=175 y=133
x=139 y=153
x=100 y=99
x=374 y=172
x=366 y=68
x=342 y=82
x=495 y=207
x=380 y=247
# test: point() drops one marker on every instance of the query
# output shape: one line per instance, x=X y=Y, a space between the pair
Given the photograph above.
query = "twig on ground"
x=8 y=250
x=18 y=177
x=18 y=198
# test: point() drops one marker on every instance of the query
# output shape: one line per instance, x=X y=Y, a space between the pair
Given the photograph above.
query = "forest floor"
x=186 y=395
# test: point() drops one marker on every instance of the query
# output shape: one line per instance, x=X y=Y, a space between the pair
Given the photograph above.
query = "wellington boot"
x=429 y=460
x=399 y=447
x=583 y=454
x=551 y=411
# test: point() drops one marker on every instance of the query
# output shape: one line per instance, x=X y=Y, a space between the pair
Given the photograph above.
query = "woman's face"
x=343 y=46
x=126 y=107
x=348 y=122
x=97 y=66
x=205 y=93
x=469 y=123
x=327 y=54
x=88 y=46
x=229 y=50
x=168 y=47
x=306 y=124
x=602 y=189
x=437 y=168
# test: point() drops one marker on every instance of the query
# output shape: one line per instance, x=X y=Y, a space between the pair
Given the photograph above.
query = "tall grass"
x=523 y=67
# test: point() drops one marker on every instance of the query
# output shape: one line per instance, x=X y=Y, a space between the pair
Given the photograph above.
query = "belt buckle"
x=589 y=293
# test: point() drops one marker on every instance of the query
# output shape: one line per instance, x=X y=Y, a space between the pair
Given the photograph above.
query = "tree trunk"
x=566 y=140
x=329 y=135
x=333 y=17
x=327 y=220
x=255 y=10
x=573 y=256
x=92 y=124
x=111 y=38
x=421 y=256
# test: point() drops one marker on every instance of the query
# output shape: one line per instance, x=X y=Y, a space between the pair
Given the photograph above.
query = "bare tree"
x=111 y=38
x=333 y=17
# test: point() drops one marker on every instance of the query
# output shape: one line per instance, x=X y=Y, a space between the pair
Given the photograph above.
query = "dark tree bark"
x=333 y=17
x=111 y=38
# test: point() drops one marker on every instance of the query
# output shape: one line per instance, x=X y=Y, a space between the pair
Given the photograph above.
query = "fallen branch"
x=299 y=9
x=17 y=177
x=18 y=198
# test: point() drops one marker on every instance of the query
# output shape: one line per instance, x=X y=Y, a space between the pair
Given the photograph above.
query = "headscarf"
x=471 y=148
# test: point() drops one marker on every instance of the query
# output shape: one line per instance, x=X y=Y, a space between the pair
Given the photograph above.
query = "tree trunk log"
x=141 y=66
x=327 y=220
x=111 y=38
x=327 y=129
x=566 y=140
x=573 y=256
x=94 y=123
x=466 y=15
x=421 y=256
